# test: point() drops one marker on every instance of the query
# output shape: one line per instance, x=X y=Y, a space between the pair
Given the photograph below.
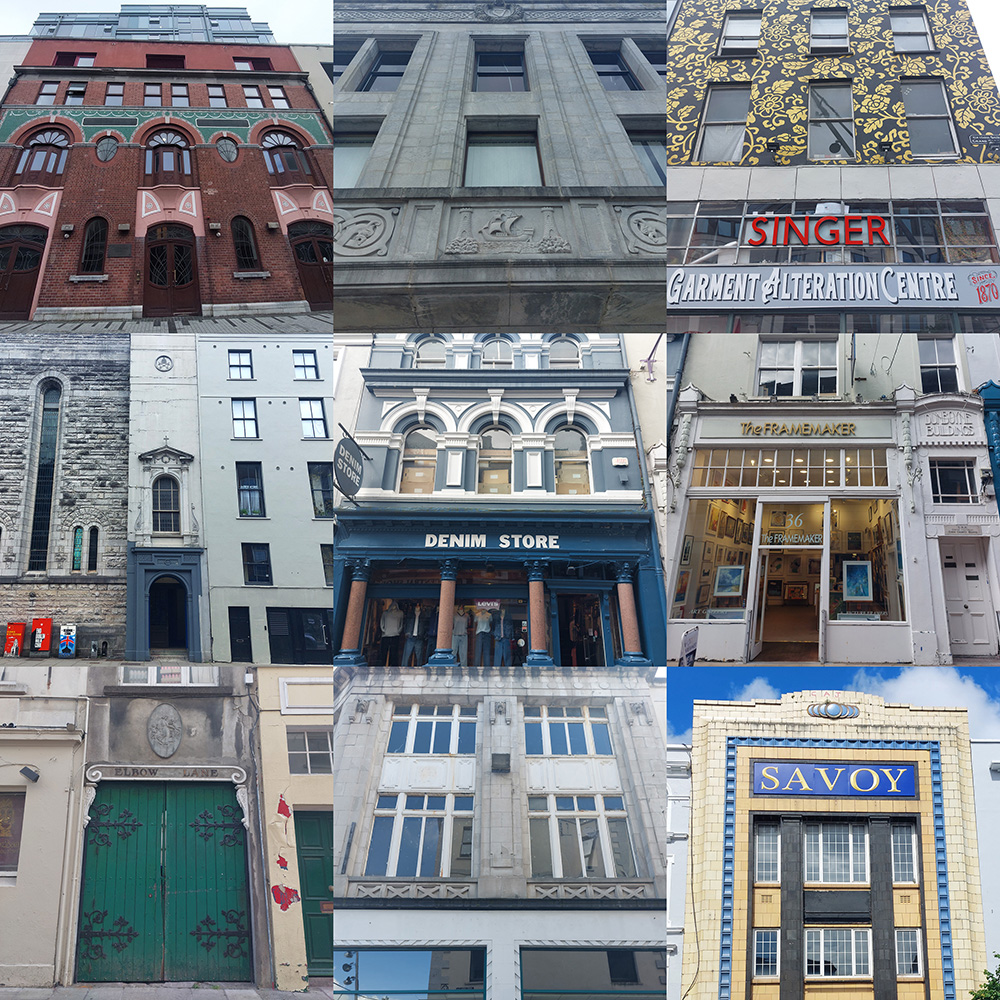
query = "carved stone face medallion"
x=164 y=363
x=164 y=730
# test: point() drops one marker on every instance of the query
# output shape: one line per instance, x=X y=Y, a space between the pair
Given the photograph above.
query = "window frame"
x=548 y=716
x=956 y=150
x=244 y=244
x=760 y=825
x=323 y=493
x=76 y=92
x=54 y=152
x=281 y=96
x=757 y=935
x=285 y=159
x=559 y=464
x=500 y=362
x=158 y=510
x=214 y=99
x=47 y=89
x=910 y=826
x=9 y=869
x=736 y=51
x=152 y=674
x=937 y=464
x=798 y=367
x=162 y=143
x=844 y=45
x=93 y=549
x=613 y=57
x=408 y=720
x=311 y=421
x=119 y=93
x=937 y=366
x=351 y=174
x=305 y=365
x=151 y=99
x=252 y=96
x=830 y=121
x=497 y=73
x=498 y=139
x=927 y=33
x=244 y=419
x=574 y=363
x=184 y=96
x=307 y=753
x=918 y=952
x=250 y=490
x=255 y=566
x=706 y=123
x=642 y=143
x=852 y=825
x=423 y=361
x=326 y=557
x=413 y=459
x=384 y=67
x=95 y=238
x=822 y=931
x=494 y=460
x=242 y=363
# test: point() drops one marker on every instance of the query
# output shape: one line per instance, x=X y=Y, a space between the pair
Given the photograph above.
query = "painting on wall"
x=730 y=526
x=857 y=581
x=708 y=551
x=729 y=581
x=702 y=594
x=713 y=519
x=778 y=518
x=795 y=565
x=686 y=550
x=854 y=541
x=682 y=586
x=814 y=565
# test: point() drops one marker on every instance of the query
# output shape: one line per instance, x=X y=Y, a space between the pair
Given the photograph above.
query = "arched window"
x=244 y=244
x=494 y=460
x=166 y=505
x=497 y=353
x=431 y=353
x=564 y=352
x=572 y=470
x=45 y=477
x=92 y=552
x=168 y=159
x=43 y=158
x=286 y=162
x=95 y=242
x=77 y=548
x=419 y=461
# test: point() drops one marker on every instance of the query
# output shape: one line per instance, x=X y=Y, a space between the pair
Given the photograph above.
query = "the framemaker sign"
x=835 y=286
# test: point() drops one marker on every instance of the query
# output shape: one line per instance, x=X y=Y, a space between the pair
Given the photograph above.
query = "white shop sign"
x=820 y=286
x=467 y=541
x=773 y=430
x=963 y=529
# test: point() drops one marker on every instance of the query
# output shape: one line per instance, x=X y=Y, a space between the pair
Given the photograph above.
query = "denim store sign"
x=835 y=780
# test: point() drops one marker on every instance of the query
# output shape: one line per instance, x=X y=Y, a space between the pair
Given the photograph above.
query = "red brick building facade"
x=152 y=178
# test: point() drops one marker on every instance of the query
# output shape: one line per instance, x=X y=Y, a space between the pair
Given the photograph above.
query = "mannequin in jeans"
x=503 y=633
x=415 y=628
x=484 y=624
x=460 y=636
x=391 y=625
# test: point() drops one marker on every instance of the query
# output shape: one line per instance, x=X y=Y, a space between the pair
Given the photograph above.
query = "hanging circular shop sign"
x=348 y=467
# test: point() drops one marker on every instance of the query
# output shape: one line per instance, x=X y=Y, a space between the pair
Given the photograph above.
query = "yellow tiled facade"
x=910 y=733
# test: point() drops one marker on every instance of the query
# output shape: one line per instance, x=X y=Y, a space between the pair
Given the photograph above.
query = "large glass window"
x=775 y=467
x=831 y=121
x=166 y=505
x=45 y=478
x=321 y=486
x=558 y=732
x=502 y=159
x=836 y=852
x=797 y=368
x=910 y=30
x=767 y=844
x=95 y=241
x=386 y=72
x=928 y=118
x=433 y=729
x=421 y=836
x=954 y=480
x=908 y=952
x=740 y=34
x=579 y=836
x=350 y=152
x=458 y=973
x=765 y=952
x=838 y=952
x=310 y=751
x=11 y=823
x=904 y=853
x=938 y=368
x=494 y=461
x=612 y=70
x=571 y=466
x=828 y=31
x=588 y=973
x=724 y=124
x=285 y=161
x=501 y=71
x=250 y=489
x=168 y=159
x=419 y=461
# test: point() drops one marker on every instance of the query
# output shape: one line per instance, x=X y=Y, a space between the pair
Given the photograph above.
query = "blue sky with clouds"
x=975 y=688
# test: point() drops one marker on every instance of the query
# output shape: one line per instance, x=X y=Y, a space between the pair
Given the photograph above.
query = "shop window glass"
x=938 y=369
x=866 y=562
x=715 y=558
x=364 y=973
x=765 y=951
x=494 y=461
x=571 y=466
x=413 y=836
x=11 y=823
x=587 y=973
x=954 y=480
x=419 y=461
x=580 y=836
x=904 y=867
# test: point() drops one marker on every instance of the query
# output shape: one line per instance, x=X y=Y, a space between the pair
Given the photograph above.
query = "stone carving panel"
x=507 y=231
x=164 y=730
x=956 y=427
x=644 y=228
x=363 y=231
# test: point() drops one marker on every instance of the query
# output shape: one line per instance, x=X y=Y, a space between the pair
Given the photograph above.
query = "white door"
x=972 y=623
x=759 y=609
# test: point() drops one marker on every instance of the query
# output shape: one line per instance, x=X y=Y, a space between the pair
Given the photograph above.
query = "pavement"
x=321 y=989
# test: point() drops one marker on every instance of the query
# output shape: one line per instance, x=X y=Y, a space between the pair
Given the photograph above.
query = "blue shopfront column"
x=538 y=656
x=632 y=655
x=443 y=655
x=350 y=654
x=990 y=393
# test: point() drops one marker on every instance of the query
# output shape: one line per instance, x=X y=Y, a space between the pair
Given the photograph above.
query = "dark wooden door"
x=315 y=628
x=314 y=847
x=21 y=250
x=171 y=273
x=240 y=648
x=312 y=244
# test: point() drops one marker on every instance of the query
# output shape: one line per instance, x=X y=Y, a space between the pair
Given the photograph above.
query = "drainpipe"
x=672 y=402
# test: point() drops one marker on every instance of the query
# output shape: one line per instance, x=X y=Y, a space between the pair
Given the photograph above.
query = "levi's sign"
x=834 y=780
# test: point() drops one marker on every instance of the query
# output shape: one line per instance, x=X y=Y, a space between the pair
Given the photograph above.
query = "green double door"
x=314 y=847
x=164 y=885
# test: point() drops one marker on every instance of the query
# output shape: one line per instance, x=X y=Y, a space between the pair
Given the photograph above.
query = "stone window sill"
x=78 y=278
x=251 y=274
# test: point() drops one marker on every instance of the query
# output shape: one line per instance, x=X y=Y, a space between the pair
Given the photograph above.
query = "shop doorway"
x=314 y=847
x=20 y=259
x=168 y=616
x=171 y=272
x=300 y=635
x=581 y=632
x=312 y=244
x=972 y=621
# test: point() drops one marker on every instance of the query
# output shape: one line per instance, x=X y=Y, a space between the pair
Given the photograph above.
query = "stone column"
x=443 y=655
x=350 y=652
x=631 y=645
x=538 y=655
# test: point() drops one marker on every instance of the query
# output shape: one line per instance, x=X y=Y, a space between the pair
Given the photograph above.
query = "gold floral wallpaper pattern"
x=780 y=75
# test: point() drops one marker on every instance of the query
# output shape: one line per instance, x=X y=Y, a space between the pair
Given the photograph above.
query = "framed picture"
x=706 y=568
x=857 y=581
x=814 y=565
x=853 y=541
x=777 y=564
x=702 y=594
x=682 y=586
x=708 y=551
x=869 y=540
x=734 y=556
x=796 y=591
x=795 y=565
x=878 y=532
x=730 y=526
x=686 y=550
x=778 y=518
x=747 y=532
x=743 y=506
x=835 y=517
x=729 y=581
x=744 y=557
x=871 y=513
x=713 y=519
x=837 y=540
x=774 y=588
x=887 y=521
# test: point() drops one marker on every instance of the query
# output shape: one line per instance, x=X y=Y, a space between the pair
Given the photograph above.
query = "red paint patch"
x=283 y=809
x=284 y=896
x=282 y=863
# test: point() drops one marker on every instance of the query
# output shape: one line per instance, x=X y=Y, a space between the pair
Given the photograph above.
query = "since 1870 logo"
x=985 y=284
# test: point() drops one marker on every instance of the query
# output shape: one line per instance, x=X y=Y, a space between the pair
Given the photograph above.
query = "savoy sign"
x=872 y=779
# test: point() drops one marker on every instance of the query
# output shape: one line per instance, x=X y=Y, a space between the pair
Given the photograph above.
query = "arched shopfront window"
x=43 y=159
x=95 y=242
x=286 y=162
x=431 y=353
x=419 y=461
x=572 y=469
x=494 y=461
x=166 y=505
x=45 y=477
x=497 y=353
x=168 y=159
x=564 y=352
